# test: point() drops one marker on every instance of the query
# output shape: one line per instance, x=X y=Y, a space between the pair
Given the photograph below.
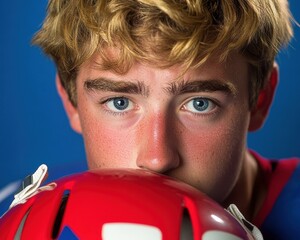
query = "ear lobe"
x=70 y=109
x=265 y=98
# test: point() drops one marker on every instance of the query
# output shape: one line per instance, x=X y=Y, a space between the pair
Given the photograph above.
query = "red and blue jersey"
x=279 y=215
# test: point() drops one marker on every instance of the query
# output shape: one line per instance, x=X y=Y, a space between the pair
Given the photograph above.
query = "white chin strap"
x=249 y=227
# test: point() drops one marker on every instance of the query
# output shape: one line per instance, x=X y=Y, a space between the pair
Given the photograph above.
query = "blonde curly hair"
x=163 y=33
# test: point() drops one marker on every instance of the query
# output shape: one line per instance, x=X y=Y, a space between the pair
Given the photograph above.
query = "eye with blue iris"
x=118 y=104
x=199 y=105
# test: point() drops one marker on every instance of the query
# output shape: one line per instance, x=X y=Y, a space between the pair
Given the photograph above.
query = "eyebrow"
x=175 y=88
x=212 y=85
x=109 y=85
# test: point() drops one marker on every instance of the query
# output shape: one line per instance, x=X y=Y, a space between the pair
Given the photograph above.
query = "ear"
x=70 y=109
x=260 y=112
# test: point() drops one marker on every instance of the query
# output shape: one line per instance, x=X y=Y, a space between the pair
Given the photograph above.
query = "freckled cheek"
x=203 y=145
x=224 y=136
x=216 y=148
x=106 y=146
x=213 y=158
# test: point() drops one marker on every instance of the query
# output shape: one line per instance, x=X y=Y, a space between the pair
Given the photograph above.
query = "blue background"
x=34 y=128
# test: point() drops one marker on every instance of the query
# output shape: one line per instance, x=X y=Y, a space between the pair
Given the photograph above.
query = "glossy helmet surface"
x=120 y=205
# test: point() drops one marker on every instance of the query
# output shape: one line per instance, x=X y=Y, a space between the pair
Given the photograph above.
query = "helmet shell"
x=95 y=204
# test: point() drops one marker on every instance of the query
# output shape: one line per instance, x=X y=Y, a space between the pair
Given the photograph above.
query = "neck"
x=249 y=192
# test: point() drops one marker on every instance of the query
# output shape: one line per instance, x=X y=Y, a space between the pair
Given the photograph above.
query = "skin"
x=156 y=125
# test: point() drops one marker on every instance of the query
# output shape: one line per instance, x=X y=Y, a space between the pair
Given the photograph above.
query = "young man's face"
x=192 y=127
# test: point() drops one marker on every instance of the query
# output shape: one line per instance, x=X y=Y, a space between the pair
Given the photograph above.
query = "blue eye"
x=119 y=104
x=199 y=105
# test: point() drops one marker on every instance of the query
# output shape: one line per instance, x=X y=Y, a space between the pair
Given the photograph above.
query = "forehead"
x=233 y=69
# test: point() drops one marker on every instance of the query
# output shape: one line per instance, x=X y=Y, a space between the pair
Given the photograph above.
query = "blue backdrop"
x=34 y=128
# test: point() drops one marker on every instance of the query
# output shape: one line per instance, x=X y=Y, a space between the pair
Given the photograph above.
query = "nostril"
x=159 y=165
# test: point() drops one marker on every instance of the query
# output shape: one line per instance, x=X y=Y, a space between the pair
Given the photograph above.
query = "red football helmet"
x=119 y=205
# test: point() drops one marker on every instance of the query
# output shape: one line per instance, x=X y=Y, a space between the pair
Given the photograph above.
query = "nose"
x=158 y=150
